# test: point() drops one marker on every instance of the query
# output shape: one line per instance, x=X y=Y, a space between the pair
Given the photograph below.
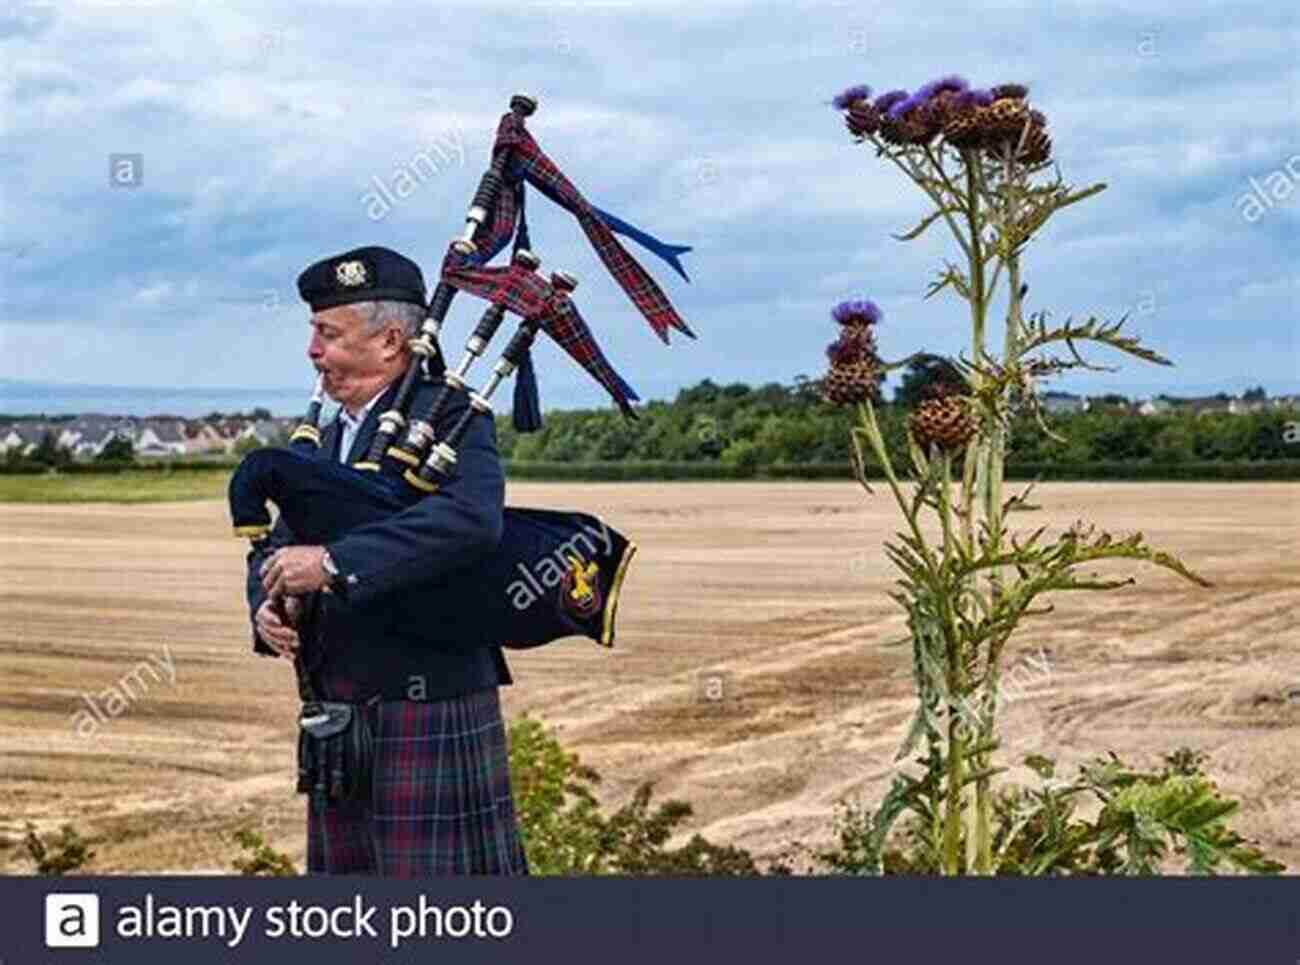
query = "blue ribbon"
x=649 y=242
x=662 y=249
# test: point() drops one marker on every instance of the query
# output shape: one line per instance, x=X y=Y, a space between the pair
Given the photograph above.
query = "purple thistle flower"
x=885 y=101
x=861 y=311
x=849 y=95
x=904 y=106
x=952 y=82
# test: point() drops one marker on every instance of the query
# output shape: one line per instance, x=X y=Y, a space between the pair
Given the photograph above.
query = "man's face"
x=354 y=362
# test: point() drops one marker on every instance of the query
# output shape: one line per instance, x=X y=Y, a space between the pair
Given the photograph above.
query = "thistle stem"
x=867 y=413
x=945 y=504
x=953 y=813
x=976 y=259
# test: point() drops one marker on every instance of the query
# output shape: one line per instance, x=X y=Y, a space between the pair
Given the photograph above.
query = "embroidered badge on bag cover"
x=579 y=592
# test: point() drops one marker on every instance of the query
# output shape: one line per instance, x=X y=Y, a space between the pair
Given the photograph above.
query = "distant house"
x=1155 y=407
x=23 y=437
x=1242 y=406
x=204 y=437
x=1060 y=402
x=267 y=431
x=68 y=437
x=87 y=436
x=160 y=438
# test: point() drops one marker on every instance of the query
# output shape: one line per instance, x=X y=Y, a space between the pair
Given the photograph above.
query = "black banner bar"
x=621 y=921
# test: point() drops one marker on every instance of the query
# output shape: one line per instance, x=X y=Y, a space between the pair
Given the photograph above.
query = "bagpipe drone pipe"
x=580 y=559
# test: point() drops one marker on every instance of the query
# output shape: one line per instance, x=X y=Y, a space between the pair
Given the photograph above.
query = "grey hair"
x=377 y=314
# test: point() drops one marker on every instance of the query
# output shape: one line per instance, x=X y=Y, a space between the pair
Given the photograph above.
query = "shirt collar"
x=352 y=423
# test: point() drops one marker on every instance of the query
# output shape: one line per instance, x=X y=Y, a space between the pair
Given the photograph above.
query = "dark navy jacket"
x=376 y=635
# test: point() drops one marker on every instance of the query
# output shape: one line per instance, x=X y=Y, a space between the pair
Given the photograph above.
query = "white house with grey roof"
x=162 y=438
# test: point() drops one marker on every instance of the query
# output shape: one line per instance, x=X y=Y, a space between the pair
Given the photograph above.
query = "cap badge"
x=350 y=273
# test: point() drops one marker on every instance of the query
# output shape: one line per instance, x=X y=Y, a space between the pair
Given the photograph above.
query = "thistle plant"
x=982 y=158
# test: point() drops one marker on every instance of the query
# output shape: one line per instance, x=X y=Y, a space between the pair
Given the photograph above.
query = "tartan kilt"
x=441 y=802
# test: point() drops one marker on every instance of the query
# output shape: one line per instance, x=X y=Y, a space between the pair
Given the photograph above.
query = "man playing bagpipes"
x=395 y=574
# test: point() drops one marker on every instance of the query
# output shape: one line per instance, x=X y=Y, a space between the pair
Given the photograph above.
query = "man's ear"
x=394 y=339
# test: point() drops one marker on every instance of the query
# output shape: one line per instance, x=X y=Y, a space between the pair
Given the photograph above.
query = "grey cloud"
x=262 y=127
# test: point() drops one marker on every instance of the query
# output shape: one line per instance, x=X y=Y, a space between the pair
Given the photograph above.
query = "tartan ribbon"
x=531 y=163
x=527 y=294
x=563 y=323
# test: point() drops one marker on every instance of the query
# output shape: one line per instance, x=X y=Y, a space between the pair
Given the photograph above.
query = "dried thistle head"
x=1017 y=91
x=850 y=383
x=963 y=125
x=1003 y=120
x=945 y=420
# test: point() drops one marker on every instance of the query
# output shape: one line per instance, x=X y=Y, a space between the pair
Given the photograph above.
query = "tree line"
x=744 y=426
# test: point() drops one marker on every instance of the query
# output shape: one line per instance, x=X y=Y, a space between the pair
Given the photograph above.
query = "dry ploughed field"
x=755 y=673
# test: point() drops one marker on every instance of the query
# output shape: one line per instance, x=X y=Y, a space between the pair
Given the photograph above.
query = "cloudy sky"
x=262 y=128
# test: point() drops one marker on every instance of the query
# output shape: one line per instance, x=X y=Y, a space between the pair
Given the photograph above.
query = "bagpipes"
x=320 y=500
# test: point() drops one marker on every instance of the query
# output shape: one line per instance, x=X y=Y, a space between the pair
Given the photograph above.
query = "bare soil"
x=756 y=672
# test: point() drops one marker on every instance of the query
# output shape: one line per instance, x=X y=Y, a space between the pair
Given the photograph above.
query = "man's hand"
x=294 y=569
x=281 y=638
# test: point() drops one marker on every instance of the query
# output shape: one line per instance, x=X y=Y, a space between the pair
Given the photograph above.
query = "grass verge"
x=125 y=487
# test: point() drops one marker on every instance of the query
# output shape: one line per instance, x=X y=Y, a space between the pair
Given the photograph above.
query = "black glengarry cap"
x=362 y=275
